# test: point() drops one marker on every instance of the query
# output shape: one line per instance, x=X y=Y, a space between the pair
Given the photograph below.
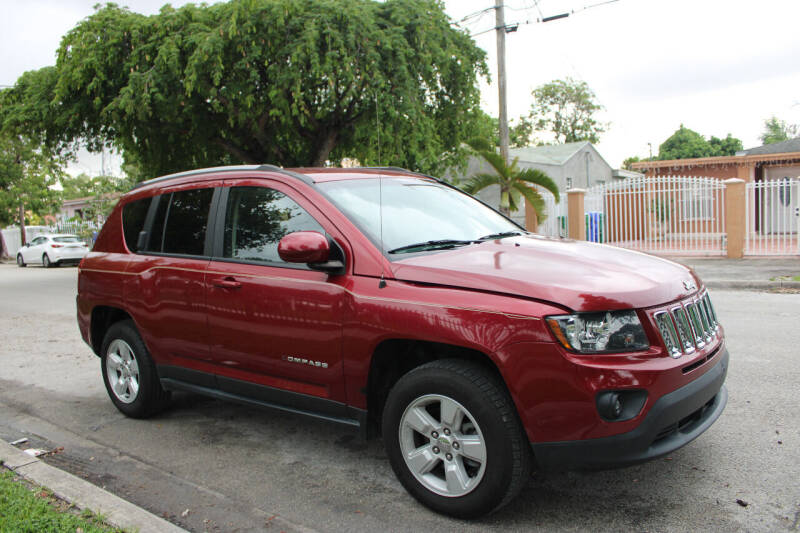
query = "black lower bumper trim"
x=675 y=420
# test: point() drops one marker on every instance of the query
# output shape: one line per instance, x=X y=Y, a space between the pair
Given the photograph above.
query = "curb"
x=116 y=511
x=737 y=284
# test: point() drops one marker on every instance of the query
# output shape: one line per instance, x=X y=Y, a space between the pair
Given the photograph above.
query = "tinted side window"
x=257 y=218
x=133 y=216
x=187 y=219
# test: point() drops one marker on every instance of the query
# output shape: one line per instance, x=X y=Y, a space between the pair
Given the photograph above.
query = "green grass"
x=26 y=508
x=785 y=278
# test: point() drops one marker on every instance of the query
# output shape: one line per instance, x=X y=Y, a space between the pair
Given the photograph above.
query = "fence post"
x=575 y=214
x=531 y=220
x=735 y=207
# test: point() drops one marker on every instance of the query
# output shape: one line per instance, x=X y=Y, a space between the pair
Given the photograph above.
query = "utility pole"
x=500 y=27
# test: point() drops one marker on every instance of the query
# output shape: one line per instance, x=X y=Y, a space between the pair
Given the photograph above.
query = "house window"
x=569 y=183
x=697 y=204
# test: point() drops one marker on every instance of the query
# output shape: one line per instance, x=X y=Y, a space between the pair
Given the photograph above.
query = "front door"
x=275 y=325
x=34 y=251
x=783 y=205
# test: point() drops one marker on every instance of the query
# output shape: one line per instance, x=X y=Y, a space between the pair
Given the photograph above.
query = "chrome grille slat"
x=684 y=329
x=689 y=326
x=708 y=329
x=668 y=333
x=697 y=325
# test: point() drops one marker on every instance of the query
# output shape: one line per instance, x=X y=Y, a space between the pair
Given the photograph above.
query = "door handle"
x=227 y=283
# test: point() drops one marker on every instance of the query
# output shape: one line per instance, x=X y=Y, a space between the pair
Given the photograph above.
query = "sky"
x=715 y=66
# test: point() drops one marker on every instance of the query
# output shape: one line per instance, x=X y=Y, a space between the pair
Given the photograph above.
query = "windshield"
x=418 y=214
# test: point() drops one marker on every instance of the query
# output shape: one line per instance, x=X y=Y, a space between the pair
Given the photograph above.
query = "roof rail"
x=231 y=168
x=401 y=169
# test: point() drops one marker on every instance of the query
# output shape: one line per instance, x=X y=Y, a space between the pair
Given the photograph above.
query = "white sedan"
x=52 y=250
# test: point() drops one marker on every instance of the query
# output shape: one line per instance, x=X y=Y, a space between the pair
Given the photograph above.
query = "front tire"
x=129 y=373
x=46 y=261
x=454 y=439
x=20 y=261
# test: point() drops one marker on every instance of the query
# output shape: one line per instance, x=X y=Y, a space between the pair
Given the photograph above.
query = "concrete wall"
x=12 y=237
x=721 y=172
x=774 y=173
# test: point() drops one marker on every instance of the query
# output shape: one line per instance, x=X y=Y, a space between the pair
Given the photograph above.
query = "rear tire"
x=129 y=373
x=46 y=261
x=454 y=439
x=20 y=261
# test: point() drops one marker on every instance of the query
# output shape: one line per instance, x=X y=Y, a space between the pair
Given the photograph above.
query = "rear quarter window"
x=133 y=217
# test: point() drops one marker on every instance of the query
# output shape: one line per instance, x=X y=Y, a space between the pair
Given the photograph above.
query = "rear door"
x=273 y=324
x=167 y=294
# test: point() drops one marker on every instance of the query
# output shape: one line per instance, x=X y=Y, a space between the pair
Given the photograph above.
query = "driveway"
x=211 y=466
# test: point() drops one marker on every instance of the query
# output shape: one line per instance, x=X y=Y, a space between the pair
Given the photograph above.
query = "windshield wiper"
x=430 y=245
x=500 y=235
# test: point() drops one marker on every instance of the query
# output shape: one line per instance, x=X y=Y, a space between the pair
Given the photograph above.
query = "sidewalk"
x=747 y=273
x=84 y=495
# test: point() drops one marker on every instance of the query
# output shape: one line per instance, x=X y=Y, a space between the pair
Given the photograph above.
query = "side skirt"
x=262 y=396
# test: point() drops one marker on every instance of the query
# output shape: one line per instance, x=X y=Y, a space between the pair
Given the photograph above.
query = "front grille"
x=689 y=326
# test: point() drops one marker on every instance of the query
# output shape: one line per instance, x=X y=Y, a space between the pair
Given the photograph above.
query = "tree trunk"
x=505 y=207
x=322 y=149
x=22 y=224
x=3 y=247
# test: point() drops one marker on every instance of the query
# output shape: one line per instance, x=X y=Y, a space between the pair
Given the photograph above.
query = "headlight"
x=612 y=331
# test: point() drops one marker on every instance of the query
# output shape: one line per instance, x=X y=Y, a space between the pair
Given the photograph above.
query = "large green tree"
x=290 y=82
x=777 y=131
x=515 y=183
x=688 y=144
x=566 y=109
x=27 y=173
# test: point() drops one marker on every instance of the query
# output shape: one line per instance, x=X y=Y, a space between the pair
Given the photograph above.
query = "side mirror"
x=312 y=248
x=304 y=247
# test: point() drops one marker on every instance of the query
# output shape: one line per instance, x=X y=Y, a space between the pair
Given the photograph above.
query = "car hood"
x=578 y=275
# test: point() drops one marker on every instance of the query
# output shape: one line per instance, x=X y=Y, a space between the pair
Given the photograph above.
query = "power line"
x=511 y=27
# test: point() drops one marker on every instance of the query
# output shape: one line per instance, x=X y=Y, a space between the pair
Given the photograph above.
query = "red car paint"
x=241 y=320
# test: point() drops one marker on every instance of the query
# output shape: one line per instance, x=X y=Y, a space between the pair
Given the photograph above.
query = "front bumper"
x=673 y=421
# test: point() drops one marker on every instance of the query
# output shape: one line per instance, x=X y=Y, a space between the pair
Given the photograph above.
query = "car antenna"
x=382 y=282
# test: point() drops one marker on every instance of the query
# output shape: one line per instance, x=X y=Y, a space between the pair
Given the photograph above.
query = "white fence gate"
x=772 y=217
x=555 y=222
x=661 y=214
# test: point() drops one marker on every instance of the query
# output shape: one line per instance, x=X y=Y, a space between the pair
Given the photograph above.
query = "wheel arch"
x=393 y=358
x=103 y=317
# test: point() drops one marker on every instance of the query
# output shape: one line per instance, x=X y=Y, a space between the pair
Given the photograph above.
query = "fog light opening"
x=616 y=406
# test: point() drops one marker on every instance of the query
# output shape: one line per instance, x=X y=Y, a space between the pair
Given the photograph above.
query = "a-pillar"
x=735 y=206
x=575 y=214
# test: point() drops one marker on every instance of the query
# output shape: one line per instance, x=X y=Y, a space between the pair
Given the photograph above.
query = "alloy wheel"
x=122 y=371
x=442 y=445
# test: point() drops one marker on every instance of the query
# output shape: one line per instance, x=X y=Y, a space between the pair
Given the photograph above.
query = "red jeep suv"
x=384 y=299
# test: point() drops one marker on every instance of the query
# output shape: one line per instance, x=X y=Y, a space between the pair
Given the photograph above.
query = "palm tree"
x=515 y=183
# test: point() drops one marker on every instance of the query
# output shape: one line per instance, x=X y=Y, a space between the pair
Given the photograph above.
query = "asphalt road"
x=211 y=466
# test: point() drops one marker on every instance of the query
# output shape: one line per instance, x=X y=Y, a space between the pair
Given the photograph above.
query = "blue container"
x=594 y=226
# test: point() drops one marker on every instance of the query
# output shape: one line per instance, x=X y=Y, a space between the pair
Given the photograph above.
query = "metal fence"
x=661 y=214
x=555 y=222
x=772 y=217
